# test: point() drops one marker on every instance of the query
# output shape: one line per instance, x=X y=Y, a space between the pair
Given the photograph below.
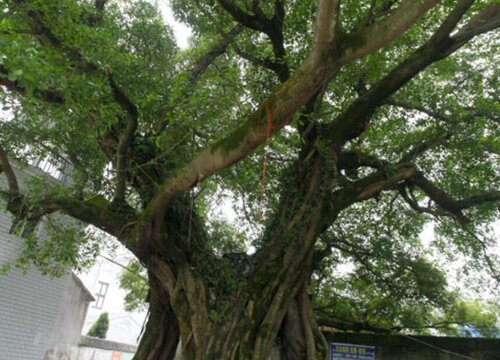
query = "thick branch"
x=486 y=20
x=385 y=31
x=351 y=160
x=372 y=185
x=272 y=27
x=366 y=326
x=298 y=90
x=93 y=211
x=9 y=173
x=256 y=21
x=326 y=24
x=403 y=172
x=352 y=122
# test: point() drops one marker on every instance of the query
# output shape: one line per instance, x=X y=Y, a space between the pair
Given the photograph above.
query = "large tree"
x=338 y=127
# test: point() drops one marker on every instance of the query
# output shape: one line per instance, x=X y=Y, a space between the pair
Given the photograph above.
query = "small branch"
x=425 y=146
x=489 y=262
x=48 y=38
x=18 y=31
x=443 y=200
x=370 y=15
x=199 y=67
x=100 y=4
x=320 y=255
x=96 y=16
x=124 y=267
x=275 y=66
x=125 y=139
x=423 y=110
x=217 y=50
x=356 y=327
x=50 y=96
x=403 y=191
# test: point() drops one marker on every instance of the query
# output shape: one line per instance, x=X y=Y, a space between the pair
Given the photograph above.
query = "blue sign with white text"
x=340 y=351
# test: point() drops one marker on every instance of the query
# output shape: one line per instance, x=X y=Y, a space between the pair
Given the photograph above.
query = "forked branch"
x=316 y=70
x=272 y=27
x=353 y=121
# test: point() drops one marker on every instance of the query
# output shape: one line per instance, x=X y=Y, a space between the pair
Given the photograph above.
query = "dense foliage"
x=295 y=151
x=100 y=327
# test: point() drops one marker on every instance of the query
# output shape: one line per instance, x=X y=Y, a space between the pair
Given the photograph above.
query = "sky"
x=181 y=31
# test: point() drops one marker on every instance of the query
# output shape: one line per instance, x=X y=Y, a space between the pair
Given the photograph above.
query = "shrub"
x=100 y=327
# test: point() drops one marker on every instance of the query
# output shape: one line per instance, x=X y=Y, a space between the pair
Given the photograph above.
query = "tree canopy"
x=336 y=130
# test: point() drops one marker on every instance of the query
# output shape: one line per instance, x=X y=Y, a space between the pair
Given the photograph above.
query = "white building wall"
x=124 y=327
x=33 y=313
x=29 y=304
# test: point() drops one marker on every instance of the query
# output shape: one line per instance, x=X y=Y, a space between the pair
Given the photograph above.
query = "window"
x=29 y=228
x=101 y=294
x=24 y=228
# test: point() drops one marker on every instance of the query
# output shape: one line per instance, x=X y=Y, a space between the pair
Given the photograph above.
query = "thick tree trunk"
x=247 y=329
x=220 y=321
x=301 y=337
x=161 y=335
x=232 y=340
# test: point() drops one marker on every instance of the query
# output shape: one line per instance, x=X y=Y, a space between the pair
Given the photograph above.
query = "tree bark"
x=161 y=334
x=274 y=295
x=301 y=337
x=236 y=337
